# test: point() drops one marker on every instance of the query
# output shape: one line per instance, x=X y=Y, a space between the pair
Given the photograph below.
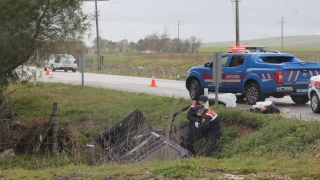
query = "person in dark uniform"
x=192 y=116
x=210 y=128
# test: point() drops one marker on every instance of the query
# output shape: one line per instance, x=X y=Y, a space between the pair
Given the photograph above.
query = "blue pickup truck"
x=254 y=73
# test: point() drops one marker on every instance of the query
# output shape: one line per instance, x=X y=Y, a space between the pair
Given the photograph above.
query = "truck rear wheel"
x=195 y=89
x=300 y=99
x=253 y=94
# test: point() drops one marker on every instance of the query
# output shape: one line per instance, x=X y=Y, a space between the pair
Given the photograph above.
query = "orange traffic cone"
x=153 y=83
x=47 y=72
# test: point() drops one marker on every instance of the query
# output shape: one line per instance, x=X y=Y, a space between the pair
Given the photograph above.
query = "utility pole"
x=178 y=28
x=282 y=32
x=97 y=27
x=237 y=23
x=98 y=41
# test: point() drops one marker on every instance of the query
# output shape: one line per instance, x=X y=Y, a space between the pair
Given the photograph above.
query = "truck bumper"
x=293 y=90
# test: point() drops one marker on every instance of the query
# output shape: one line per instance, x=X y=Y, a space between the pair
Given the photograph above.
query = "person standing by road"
x=193 y=134
x=210 y=128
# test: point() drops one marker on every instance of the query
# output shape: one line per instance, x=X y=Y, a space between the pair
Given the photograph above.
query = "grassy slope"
x=258 y=146
x=171 y=66
x=252 y=143
x=306 y=48
x=288 y=41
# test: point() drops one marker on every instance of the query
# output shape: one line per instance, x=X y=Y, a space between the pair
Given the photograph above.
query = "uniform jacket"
x=209 y=121
x=192 y=114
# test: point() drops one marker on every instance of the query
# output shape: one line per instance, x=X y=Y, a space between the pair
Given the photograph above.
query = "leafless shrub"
x=26 y=138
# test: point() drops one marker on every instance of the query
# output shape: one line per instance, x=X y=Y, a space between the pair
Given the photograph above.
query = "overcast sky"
x=210 y=20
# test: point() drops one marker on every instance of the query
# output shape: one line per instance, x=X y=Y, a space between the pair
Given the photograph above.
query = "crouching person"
x=210 y=128
x=193 y=133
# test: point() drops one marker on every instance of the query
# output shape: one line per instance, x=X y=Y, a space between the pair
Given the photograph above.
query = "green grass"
x=254 y=145
x=174 y=65
x=165 y=66
x=76 y=103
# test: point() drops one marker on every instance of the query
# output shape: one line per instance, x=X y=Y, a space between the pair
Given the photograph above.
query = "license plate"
x=302 y=90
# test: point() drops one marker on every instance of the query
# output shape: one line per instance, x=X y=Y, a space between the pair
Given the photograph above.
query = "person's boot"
x=190 y=149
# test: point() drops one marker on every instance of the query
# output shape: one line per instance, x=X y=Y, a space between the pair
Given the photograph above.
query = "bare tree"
x=167 y=46
x=185 y=45
x=103 y=43
x=156 y=41
x=132 y=46
x=141 y=45
x=177 y=45
x=121 y=45
x=195 y=43
x=111 y=46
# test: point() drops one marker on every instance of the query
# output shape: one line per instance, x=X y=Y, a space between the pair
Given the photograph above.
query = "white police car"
x=314 y=93
x=61 y=62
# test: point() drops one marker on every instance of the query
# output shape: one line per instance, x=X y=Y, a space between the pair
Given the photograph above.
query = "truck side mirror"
x=207 y=64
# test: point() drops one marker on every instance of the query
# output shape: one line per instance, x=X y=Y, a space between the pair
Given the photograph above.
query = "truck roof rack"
x=273 y=51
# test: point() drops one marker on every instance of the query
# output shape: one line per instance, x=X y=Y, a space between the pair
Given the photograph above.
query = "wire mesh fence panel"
x=135 y=139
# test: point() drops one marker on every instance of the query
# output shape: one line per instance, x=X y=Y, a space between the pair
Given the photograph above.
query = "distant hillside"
x=294 y=41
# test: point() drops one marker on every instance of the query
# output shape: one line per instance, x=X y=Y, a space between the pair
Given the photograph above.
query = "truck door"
x=232 y=74
x=207 y=74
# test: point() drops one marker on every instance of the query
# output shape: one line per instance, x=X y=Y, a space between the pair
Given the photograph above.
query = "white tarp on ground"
x=228 y=99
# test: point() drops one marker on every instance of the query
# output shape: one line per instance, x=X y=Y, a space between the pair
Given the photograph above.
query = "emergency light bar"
x=242 y=48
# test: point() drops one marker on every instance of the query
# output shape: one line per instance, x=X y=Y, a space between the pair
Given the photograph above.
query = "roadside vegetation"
x=253 y=146
x=173 y=65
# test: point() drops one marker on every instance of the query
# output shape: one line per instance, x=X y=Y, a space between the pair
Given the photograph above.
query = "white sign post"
x=206 y=92
x=82 y=69
x=216 y=73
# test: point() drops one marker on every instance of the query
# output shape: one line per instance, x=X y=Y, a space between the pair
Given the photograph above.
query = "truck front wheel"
x=253 y=94
x=300 y=99
x=315 y=103
x=195 y=89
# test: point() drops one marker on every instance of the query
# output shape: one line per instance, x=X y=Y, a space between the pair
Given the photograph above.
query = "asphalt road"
x=169 y=88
